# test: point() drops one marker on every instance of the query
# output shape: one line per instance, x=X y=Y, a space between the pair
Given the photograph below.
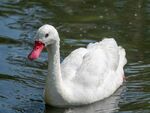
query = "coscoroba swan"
x=85 y=76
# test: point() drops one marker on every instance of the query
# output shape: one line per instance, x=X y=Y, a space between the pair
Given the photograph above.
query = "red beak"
x=35 y=53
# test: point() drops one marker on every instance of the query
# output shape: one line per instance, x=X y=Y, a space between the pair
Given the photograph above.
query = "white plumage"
x=86 y=75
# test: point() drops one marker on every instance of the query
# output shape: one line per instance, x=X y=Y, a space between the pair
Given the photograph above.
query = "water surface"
x=78 y=23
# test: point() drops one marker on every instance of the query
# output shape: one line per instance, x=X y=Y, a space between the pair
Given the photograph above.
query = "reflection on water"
x=79 y=23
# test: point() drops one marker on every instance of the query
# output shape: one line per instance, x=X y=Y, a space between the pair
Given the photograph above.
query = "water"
x=78 y=23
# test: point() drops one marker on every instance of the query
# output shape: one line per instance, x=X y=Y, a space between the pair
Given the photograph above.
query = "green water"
x=78 y=22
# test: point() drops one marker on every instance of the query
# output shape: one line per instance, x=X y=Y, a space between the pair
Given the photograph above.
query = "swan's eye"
x=46 y=35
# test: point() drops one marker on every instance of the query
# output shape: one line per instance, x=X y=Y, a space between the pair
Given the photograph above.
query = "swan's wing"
x=96 y=72
x=72 y=62
x=101 y=58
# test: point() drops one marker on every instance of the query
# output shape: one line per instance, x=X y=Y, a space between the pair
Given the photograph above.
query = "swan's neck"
x=54 y=85
x=54 y=72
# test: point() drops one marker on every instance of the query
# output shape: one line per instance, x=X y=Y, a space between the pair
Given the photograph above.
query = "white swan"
x=85 y=76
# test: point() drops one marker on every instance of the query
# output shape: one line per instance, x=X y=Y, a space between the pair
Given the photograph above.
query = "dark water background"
x=79 y=22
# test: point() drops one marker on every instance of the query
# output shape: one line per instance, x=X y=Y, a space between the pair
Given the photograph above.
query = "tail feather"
x=122 y=57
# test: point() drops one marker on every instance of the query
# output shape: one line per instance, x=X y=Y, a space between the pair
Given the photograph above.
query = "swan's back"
x=110 y=48
x=101 y=58
x=95 y=72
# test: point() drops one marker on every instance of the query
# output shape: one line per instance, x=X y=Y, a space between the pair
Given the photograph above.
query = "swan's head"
x=46 y=35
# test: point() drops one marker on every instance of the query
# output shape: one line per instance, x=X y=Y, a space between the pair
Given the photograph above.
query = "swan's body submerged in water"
x=85 y=76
